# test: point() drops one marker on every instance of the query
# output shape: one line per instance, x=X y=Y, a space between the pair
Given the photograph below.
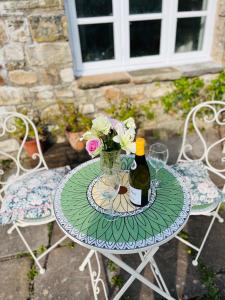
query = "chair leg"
x=10 y=230
x=42 y=270
x=215 y=215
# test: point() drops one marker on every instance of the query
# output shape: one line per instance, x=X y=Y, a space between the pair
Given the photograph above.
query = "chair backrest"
x=7 y=127
x=209 y=113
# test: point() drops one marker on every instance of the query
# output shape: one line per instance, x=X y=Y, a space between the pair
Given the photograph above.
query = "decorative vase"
x=109 y=181
x=74 y=140
x=110 y=162
x=31 y=147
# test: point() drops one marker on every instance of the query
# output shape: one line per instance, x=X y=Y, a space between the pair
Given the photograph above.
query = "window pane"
x=190 y=32
x=189 y=5
x=93 y=8
x=96 y=42
x=142 y=44
x=145 y=6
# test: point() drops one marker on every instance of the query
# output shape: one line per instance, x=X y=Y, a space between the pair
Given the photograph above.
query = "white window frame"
x=120 y=20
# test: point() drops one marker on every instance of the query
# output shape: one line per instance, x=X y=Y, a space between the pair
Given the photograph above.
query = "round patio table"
x=84 y=217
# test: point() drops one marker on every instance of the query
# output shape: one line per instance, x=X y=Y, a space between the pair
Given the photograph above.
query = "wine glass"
x=158 y=156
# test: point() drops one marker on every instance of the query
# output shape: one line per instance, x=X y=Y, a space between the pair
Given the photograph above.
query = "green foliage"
x=216 y=89
x=187 y=94
x=70 y=245
x=21 y=129
x=32 y=273
x=126 y=108
x=5 y=164
x=72 y=119
x=117 y=281
x=207 y=276
x=41 y=249
x=112 y=266
x=23 y=254
x=184 y=235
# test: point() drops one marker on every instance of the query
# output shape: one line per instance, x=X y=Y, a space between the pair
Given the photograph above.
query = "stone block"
x=156 y=90
x=63 y=93
x=150 y=75
x=49 y=76
x=48 y=54
x=8 y=146
x=15 y=65
x=112 y=93
x=14 y=95
x=22 y=77
x=45 y=28
x=2 y=58
x=13 y=278
x=88 y=82
x=13 y=245
x=87 y=108
x=14 y=52
x=17 y=28
x=43 y=92
x=199 y=69
x=3 y=35
x=67 y=75
x=6 y=6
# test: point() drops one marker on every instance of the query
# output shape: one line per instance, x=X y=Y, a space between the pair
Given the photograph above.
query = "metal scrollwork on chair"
x=7 y=127
x=215 y=116
x=211 y=113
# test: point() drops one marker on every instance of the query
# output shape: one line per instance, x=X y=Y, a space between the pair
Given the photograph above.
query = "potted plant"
x=30 y=143
x=73 y=123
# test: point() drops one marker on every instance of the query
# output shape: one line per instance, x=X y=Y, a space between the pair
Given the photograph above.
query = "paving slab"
x=13 y=279
x=11 y=244
x=62 y=279
x=213 y=253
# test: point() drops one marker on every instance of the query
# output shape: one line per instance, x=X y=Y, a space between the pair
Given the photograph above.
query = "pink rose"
x=93 y=147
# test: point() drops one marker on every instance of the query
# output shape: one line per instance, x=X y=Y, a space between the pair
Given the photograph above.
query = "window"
x=115 y=35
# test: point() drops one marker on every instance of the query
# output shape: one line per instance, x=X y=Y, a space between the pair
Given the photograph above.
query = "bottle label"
x=135 y=195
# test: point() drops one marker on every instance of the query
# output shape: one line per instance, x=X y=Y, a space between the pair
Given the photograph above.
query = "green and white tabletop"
x=84 y=219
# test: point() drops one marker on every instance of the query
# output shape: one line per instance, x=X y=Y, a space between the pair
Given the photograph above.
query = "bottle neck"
x=140 y=158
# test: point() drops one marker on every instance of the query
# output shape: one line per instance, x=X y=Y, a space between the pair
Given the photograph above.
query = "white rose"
x=101 y=125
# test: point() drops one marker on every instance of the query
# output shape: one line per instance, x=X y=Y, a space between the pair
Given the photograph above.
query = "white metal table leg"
x=152 y=269
x=159 y=276
x=86 y=260
x=95 y=276
x=136 y=275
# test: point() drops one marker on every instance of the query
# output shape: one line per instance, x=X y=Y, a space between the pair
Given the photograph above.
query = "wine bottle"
x=139 y=178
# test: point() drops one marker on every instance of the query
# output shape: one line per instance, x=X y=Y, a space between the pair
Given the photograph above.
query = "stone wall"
x=36 y=62
x=35 y=57
x=218 y=49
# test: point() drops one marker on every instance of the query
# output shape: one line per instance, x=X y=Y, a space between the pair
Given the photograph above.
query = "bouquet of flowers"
x=107 y=134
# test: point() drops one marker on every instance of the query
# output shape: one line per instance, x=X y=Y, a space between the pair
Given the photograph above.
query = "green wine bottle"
x=139 y=179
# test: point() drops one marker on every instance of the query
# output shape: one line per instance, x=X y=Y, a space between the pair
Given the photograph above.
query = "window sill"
x=149 y=75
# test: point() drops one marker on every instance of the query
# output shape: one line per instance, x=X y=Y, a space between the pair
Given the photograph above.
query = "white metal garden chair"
x=206 y=197
x=20 y=187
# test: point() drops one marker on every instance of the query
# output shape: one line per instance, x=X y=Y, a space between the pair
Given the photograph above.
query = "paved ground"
x=64 y=281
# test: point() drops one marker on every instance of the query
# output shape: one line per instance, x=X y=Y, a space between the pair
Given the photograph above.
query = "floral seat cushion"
x=205 y=196
x=31 y=197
